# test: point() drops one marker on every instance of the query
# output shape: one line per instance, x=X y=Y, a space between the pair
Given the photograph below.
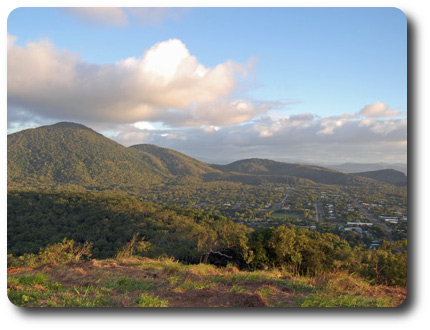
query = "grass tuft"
x=146 y=300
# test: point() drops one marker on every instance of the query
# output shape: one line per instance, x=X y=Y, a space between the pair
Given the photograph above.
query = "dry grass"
x=131 y=281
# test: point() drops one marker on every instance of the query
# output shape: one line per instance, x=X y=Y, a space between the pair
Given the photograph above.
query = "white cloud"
x=155 y=16
x=387 y=126
x=38 y=67
x=166 y=84
x=117 y=17
x=210 y=129
x=99 y=15
x=143 y=125
x=169 y=85
x=329 y=124
x=378 y=110
x=294 y=138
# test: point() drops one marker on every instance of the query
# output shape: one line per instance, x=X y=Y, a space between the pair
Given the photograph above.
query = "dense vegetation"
x=74 y=157
x=271 y=168
x=388 y=176
x=109 y=222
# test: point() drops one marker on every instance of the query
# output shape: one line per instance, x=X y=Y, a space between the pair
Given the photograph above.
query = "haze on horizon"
x=312 y=85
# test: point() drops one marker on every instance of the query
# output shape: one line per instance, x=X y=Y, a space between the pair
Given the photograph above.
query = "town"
x=359 y=216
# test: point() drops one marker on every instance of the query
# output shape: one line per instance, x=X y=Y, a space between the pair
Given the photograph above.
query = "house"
x=357 y=229
x=373 y=246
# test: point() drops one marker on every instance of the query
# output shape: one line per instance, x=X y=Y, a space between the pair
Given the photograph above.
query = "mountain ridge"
x=368 y=167
x=70 y=155
x=390 y=176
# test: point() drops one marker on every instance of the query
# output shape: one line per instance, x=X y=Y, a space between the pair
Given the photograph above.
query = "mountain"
x=69 y=155
x=174 y=162
x=388 y=176
x=364 y=167
x=72 y=156
x=266 y=167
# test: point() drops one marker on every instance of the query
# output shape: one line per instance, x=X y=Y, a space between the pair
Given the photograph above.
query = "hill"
x=37 y=219
x=388 y=176
x=266 y=167
x=368 y=167
x=68 y=155
x=174 y=162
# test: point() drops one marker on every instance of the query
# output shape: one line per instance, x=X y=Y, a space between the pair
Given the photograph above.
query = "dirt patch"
x=90 y=274
x=212 y=298
x=134 y=272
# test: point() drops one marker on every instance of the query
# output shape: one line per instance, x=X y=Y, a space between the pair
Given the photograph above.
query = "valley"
x=66 y=181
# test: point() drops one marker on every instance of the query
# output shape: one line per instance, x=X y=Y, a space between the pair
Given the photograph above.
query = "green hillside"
x=266 y=167
x=116 y=225
x=72 y=156
x=388 y=176
x=175 y=162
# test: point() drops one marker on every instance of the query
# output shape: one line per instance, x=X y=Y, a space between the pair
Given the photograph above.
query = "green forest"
x=109 y=222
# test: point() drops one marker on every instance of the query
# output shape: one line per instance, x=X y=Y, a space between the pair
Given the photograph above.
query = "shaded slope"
x=388 y=176
x=367 y=167
x=176 y=163
x=72 y=155
x=265 y=167
x=180 y=166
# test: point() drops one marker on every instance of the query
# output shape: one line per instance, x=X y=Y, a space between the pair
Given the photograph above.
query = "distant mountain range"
x=388 y=176
x=72 y=156
x=358 y=167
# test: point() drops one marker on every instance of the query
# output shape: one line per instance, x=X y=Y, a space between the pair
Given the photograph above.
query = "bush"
x=386 y=265
x=59 y=253
x=130 y=249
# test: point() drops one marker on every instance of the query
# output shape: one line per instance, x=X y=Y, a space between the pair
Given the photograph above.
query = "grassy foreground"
x=143 y=282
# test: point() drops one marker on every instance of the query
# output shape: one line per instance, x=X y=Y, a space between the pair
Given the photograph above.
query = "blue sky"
x=326 y=84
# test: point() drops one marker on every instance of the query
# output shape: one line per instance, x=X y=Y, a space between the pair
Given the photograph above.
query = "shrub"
x=59 y=253
x=133 y=246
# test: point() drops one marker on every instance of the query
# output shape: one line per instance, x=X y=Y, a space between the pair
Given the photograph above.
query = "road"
x=278 y=205
x=318 y=213
x=371 y=218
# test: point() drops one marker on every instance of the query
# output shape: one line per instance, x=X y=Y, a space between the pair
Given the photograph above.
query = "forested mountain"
x=175 y=162
x=266 y=167
x=388 y=176
x=368 y=167
x=68 y=155
x=110 y=220
x=72 y=156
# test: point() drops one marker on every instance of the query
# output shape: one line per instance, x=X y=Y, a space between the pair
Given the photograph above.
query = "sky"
x=309 y=85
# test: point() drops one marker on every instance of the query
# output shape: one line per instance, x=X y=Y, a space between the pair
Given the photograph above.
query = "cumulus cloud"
x=114 y=16
x=378 y=110
x=99 y=15
x=329 y=124
x=144 y=125
x=194 y=103
x=155 y=16
x=294 y=138
x=165 y=84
